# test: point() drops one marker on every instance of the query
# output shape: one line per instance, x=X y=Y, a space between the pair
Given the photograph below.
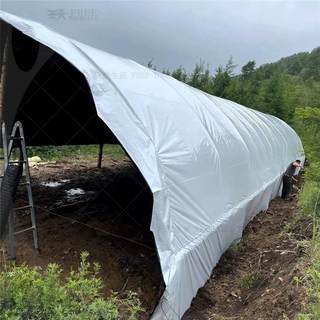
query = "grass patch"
x=83 y=152
x=310 y=212
x=312 y=281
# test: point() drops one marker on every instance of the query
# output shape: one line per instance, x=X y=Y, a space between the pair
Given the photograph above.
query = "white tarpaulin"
x=210 y=163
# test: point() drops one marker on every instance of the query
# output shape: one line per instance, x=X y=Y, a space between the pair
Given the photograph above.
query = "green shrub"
x=30 y=294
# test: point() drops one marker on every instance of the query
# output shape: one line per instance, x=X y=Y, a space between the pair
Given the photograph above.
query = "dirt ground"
x=255 y=279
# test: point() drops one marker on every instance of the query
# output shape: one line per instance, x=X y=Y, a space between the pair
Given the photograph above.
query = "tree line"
x=275 y=88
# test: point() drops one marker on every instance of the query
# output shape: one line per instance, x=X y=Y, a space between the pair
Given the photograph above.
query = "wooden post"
x=100 y=155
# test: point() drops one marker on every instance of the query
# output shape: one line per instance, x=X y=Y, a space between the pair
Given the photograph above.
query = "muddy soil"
x=255 y=279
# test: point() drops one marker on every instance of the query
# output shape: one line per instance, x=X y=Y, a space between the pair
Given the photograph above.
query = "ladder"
x=9 y=143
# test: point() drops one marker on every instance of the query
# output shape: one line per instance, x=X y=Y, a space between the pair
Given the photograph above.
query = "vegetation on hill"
x=275 y=88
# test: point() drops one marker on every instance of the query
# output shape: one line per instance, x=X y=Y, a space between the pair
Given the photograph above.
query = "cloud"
x=182 y=33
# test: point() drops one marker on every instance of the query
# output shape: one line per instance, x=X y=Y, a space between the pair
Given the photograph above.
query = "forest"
x=277 y=88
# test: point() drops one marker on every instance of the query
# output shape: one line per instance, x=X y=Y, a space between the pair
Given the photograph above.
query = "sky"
x=174 y=33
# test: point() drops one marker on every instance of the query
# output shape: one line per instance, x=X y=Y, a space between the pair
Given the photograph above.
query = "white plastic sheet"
x=210 y=163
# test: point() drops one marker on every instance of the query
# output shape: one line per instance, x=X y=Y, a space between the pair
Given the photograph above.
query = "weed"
x=249 y=280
